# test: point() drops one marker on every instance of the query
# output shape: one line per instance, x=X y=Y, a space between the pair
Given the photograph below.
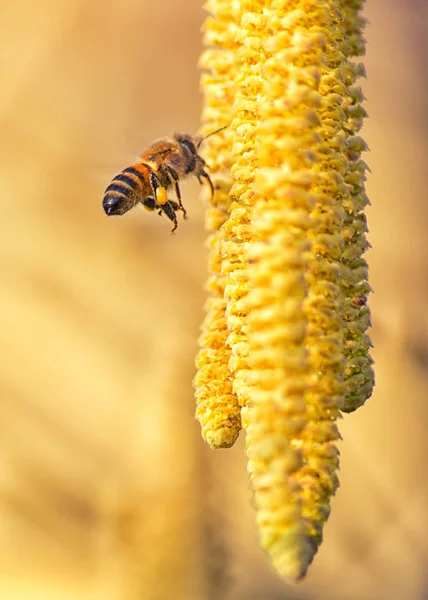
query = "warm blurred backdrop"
x=107 y=491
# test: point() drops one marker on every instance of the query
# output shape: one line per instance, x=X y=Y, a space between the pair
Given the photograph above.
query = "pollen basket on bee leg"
x=161 y=196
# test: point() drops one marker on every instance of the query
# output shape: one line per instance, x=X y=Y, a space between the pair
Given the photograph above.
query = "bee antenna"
x=209 y=135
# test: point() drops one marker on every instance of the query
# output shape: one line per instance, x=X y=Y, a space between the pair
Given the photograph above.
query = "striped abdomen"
x=127 y=189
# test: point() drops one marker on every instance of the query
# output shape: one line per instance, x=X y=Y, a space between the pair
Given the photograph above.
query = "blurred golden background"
x=107 y=491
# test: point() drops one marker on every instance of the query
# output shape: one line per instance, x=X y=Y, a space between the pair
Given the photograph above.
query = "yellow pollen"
x=161 y=197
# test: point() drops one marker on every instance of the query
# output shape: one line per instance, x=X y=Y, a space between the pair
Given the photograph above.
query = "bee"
x=162 y=166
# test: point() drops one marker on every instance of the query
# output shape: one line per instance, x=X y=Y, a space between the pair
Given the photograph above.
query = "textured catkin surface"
x=104 y=477
x=359 y=374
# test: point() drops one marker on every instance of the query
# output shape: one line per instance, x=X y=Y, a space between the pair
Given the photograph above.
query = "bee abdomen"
x=123 y=192
x=128 y=181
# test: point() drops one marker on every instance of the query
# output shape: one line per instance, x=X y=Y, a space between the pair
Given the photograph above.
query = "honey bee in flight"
x=163 y=165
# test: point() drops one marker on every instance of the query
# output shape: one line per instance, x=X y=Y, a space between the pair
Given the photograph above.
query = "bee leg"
x=174 y=205
x=180 y=205
x=205 y=175
x=170 y=213
x=149 y=203
x=174 y=176
x=158 y=190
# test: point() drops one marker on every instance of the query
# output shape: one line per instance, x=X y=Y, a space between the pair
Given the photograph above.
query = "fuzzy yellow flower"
x=284 y=344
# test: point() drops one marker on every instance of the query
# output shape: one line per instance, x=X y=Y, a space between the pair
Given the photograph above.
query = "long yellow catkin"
x=217 y=406
x=292 y=279
x=325 y=334
x=294 y=328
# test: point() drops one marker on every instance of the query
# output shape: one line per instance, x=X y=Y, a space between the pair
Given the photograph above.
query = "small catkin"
x=359 y=373
x=217 y=410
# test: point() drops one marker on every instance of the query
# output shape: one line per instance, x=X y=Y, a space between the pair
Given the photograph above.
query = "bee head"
x=187 y=141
